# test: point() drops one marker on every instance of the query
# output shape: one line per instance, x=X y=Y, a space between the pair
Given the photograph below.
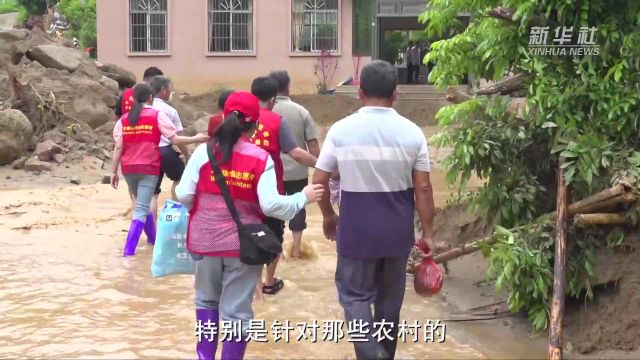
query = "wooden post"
x=557 y=302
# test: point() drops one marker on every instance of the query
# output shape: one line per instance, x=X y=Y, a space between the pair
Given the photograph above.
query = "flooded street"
x=66 y=291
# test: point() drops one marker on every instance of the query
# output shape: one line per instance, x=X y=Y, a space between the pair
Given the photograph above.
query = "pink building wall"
x=193 y=69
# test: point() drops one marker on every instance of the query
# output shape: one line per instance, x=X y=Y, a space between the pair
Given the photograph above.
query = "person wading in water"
x=137 y=138
x=224 y=286
x=276 y=137
x=378 y=188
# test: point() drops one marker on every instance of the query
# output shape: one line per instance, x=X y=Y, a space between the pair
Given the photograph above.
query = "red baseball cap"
x=245 y=103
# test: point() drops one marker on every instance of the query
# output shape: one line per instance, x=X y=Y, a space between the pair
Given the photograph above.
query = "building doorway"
x=396 y=24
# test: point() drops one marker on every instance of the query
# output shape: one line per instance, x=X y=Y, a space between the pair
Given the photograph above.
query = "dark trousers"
x=379 y=282
x=413 y=71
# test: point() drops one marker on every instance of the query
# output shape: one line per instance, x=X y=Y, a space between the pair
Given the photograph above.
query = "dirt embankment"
x=327 y=109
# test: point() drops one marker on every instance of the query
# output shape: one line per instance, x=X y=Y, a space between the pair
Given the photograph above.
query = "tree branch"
x=502 y=13
x=505 y=86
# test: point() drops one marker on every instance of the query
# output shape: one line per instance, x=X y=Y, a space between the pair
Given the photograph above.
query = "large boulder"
x=15 y=135
x=123 y=76
x=110 y=83
x=83 y=100
x=14 y=44
x=56 y=57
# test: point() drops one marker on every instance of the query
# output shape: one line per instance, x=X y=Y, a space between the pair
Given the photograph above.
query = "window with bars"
x=148 y=25
x=231 y=26
x=314 y=25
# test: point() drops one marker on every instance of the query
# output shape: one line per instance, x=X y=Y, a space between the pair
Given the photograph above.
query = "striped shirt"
x=375 y=151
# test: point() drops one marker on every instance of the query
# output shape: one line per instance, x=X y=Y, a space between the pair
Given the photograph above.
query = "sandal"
x=278 y=284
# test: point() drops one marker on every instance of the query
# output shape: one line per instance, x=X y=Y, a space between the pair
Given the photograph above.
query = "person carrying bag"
x=258 y=244
x=230 y=185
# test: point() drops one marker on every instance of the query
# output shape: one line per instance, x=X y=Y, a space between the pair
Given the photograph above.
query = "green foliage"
x=36 y=7
x=582 y=114
x=81 y=15
x=8 y=6
x=394 y=44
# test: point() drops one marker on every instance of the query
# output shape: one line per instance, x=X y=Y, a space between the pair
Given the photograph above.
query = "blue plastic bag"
x=170 y=255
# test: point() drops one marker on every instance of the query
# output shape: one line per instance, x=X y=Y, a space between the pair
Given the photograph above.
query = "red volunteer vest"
x=141 y=151
x=213 y=232
x=267 y=136
x=127 y=101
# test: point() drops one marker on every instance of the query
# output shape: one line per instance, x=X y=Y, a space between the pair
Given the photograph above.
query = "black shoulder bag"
x=258 y=244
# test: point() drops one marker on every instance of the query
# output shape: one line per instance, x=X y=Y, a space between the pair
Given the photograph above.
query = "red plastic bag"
x=427 y=277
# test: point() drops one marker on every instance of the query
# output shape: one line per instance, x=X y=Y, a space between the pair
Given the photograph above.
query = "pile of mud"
x=56 y=104
x=612 y=320
x=327 y=109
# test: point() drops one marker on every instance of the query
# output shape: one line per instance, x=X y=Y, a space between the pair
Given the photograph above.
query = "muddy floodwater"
x=66 y=291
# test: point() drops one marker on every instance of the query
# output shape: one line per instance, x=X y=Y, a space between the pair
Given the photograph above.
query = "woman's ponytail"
x=229 y=132
x=141 y=94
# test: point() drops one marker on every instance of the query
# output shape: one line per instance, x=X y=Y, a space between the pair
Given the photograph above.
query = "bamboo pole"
x=577 y=207
x=601 y=219
x=603 y=200
x=626 y=198
x=560 y=258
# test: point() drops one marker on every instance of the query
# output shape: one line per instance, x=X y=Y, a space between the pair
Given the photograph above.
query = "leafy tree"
x=582 y=114
x=36 y=7
x=81 y=15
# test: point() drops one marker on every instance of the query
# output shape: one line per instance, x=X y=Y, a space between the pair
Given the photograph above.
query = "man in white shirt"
x=304 y=129
x=172 y=164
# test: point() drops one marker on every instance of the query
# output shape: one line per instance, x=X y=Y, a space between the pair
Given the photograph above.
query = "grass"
x=8 y=6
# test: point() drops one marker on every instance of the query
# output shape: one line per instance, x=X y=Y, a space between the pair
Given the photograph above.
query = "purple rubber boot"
x=232 y=350
x=207 y=347
x=133 y=237
x=150 y=229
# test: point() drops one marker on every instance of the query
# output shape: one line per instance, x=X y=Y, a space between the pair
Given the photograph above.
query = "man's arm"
x=424 y=202
x=288 y=146
x=303 y=157
x=322 y=177
x=424 y=196
x=311 y=136
x=314 y=147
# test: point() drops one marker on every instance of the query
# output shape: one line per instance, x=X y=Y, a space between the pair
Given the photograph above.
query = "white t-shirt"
x=172 y=113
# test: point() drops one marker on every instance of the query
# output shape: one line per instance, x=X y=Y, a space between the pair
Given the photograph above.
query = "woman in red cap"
x=225 y=286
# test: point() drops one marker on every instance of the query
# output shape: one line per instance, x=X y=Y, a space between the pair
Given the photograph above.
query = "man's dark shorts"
x=172 y=166
x=277 y=226
x=299 y=222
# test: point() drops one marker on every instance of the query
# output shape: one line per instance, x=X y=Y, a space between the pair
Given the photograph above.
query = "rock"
x=124 y=77
x=107 y=154
x=86 y=137
x=91 y=112
x=36 y=165
x=46 y=149
x=93 y=162
x=58 y=158
x=14 y=44
x=200 y=126
x=106 y=129
x=110 y=83
x=57 y=57
x=15 y=135
x=75 y=180
x=106 y=179
x=89 y=69
x=54 y=135
x=19 y=164
x=39 y=37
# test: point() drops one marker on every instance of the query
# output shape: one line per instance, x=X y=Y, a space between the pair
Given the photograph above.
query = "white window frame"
x=313 y=14
x=251 y=13
x=148 y=12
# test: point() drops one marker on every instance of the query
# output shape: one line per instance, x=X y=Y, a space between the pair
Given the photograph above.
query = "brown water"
x=65 y=290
